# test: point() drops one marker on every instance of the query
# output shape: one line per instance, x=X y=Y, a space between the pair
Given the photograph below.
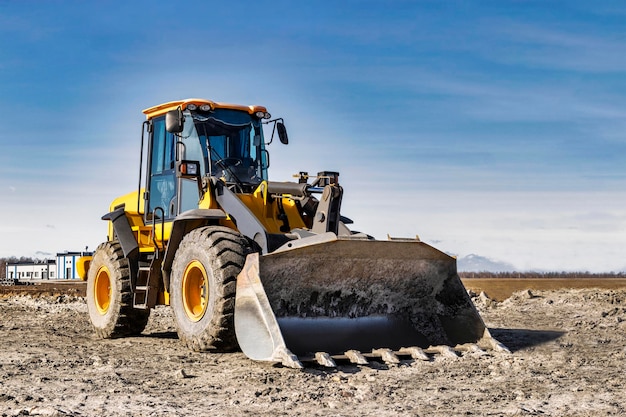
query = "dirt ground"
x=568 y=356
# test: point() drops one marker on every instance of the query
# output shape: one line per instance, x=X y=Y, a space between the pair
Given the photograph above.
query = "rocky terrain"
x=568 y=356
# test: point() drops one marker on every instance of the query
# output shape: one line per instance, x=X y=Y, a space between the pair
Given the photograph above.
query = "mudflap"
x=334 y=296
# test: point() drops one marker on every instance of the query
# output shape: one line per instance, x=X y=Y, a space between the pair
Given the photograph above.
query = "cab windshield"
x=228 y=142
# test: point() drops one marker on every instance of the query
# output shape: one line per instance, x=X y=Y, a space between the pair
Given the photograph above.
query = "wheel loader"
x=271 y=268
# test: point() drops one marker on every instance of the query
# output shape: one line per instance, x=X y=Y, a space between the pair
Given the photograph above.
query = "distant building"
x=29 y=271
x=66 y=264
x=64 y=267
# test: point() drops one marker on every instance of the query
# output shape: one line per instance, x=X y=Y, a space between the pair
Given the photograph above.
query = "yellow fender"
x=82 y=266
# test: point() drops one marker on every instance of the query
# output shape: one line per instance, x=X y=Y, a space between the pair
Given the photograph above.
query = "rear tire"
x=109 y=294
x=204 y=280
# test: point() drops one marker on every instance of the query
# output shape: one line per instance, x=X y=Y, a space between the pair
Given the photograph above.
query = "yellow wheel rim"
x=195 y=290
x=102 y=290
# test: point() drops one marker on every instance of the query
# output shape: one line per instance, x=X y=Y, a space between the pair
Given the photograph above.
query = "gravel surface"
x=568 y=356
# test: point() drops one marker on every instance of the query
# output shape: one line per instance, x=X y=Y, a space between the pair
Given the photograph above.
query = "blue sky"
x=494 y=128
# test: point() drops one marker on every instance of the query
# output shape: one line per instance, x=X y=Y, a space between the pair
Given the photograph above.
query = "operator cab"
x=226 y=141
x=233 y=145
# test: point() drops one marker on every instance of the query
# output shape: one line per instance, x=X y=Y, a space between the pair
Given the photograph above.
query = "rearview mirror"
x=174 y=121
x=282 y=133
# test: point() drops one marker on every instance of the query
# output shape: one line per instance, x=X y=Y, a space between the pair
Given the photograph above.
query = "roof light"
x=191 y=106
x=205 y=107
x=262 y=115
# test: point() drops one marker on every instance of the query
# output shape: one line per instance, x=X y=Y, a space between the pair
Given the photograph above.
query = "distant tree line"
x=531 y=274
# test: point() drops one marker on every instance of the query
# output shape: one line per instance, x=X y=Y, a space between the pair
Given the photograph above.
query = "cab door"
x=162 y=202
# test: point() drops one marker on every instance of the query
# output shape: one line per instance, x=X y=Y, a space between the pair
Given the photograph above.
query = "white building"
x=64 y=267
x=66 y=264
x=30 y=271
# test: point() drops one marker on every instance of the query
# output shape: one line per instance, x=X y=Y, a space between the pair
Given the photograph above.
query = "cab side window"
x=162 y=174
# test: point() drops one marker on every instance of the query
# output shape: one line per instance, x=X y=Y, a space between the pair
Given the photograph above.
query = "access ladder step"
x=146 y=288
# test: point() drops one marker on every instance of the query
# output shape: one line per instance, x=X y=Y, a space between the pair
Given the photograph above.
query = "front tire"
x=109 y=294
x=204 y=280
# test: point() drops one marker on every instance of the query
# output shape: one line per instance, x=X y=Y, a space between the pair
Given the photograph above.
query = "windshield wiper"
x=218 y=159
x=220 y=162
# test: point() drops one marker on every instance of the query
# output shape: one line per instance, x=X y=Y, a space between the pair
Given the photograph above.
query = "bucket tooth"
x=287 y=358
x=448 y=352
x=443 y=350
x=498 y=347
x=356 y=357
x=415 y=353
x=324 y=359
x=470 y=347
x=386 y=355
x=492 y=343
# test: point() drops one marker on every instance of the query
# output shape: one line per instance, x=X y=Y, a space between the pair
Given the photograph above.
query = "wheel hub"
x=102 y=290
x=195 y=290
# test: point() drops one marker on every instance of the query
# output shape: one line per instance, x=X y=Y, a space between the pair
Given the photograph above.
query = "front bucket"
x=337 y=295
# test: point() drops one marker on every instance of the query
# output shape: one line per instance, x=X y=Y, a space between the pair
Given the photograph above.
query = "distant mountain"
x=476 y=263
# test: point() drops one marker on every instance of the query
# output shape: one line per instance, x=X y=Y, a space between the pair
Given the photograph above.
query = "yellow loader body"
x=268 y=267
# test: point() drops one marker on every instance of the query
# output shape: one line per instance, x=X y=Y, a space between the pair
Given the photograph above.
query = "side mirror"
x=282 y=133
x=174 y=121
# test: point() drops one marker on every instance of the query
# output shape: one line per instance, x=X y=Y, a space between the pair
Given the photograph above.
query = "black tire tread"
x=128 y=320
x=227 y=250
